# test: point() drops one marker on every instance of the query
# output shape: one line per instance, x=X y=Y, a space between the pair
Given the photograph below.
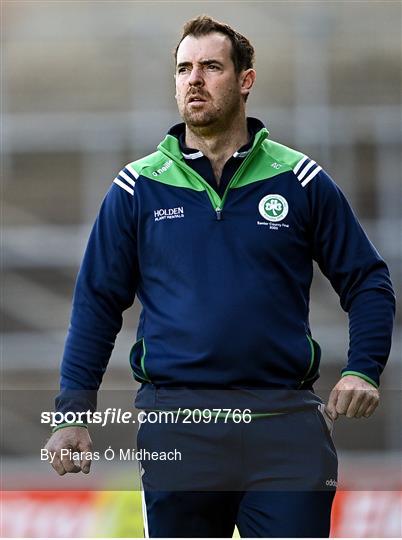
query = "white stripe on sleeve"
x=297 y=168
x=122 y=185
x=303 y=173
x=127 y=178
x=311 y=176
x=132 y=170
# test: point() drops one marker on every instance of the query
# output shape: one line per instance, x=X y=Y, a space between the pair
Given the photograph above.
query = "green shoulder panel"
x=284 y=154
x=165 y=165
x=157 y=166
x=272 y=159
x=151 y=161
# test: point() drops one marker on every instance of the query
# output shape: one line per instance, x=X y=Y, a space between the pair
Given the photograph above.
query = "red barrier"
x=59 y=514
x=367 y=514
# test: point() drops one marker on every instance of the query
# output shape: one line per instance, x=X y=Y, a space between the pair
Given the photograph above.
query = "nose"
x=195 y=78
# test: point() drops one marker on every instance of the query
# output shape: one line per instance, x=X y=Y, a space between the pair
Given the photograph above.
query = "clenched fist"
x=353 y=397
x=77 y=447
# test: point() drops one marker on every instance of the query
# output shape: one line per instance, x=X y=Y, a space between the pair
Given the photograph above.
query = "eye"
x=212 y=67
x=182 y=69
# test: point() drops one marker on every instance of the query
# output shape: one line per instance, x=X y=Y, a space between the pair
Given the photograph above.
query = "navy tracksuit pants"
x=273 y=477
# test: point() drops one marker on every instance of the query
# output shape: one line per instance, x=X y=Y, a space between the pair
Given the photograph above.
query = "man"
x=216 y=233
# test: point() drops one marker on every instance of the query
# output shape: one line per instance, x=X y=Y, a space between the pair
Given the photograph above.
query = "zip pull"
x=218 y=212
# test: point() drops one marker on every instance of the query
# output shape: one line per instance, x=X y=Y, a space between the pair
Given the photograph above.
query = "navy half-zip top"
x=224 y=282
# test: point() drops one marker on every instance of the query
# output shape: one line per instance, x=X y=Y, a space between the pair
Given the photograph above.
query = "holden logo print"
x=273 y=207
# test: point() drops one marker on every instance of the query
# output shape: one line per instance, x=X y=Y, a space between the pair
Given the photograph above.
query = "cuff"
x=69 y=424
x=361 y=375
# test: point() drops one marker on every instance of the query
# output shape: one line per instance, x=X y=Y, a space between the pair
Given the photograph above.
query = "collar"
x=179 y=130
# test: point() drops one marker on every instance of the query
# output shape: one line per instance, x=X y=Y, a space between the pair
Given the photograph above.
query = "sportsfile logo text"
x=113 y=415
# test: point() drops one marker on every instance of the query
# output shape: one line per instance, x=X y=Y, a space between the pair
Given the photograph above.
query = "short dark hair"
x=242 y=52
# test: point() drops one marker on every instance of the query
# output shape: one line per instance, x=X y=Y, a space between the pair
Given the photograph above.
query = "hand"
x=353 y=397
x=72 y=438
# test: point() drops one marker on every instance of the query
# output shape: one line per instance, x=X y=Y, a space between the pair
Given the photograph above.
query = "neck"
x=218 y=143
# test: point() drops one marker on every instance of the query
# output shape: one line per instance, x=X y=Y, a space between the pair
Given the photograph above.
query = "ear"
x=247 y=78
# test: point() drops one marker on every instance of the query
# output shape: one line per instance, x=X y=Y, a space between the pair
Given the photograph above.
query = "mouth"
x=196 y=99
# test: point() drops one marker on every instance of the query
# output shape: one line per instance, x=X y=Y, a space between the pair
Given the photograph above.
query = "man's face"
x=207 y=87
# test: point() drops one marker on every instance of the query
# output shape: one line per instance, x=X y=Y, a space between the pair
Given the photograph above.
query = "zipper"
x=217 y=202
x=213 y=196
x=237 y=175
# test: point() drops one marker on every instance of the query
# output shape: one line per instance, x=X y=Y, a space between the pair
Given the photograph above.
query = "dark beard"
x=210 y=118
x=199 y=120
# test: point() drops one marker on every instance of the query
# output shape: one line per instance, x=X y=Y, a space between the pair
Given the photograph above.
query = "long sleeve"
x=358 y=274
x=105 y=287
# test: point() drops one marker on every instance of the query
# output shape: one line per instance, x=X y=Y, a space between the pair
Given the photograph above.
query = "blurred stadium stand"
x=88 y=88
